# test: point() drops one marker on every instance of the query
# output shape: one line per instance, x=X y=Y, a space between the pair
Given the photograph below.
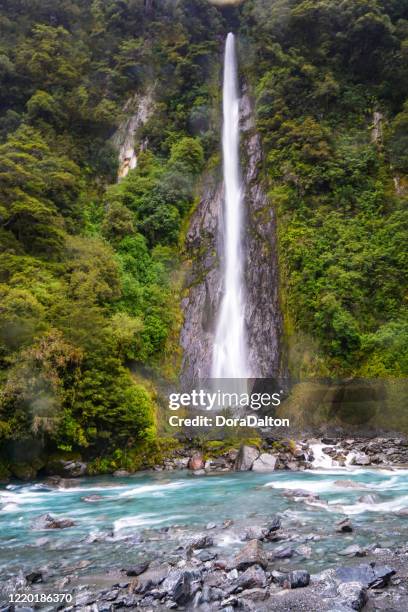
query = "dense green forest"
x=90 y=268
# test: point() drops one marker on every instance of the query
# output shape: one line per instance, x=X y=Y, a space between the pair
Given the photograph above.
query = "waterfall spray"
x=230 y=347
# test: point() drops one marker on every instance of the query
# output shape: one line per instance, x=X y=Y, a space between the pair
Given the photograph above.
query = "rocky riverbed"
x=306 y=526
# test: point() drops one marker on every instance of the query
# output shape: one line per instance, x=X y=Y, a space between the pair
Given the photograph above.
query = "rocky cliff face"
x=204 y=281
x=137 y=110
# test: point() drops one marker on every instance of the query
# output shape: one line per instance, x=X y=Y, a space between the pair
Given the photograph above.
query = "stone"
x=254 y=532
x=253 y=577
x=121 y=473
x=369 y=575
x=206 y=555
x=273 y=526
x=200 y=541
x=353 y=594
x=137 y=569
x=368 y=499
x=69 y=469
x=361 y=459
x=196 y=462
x=34 y=577
x=354 y=550
x=178 y=584
x=48 y=521
x=349 y=484
x=291 y=580
x=283 y=552
x=344 y=526
x=151 y=578
x=245 y=458
x=92 y=498
x=264 y=463
x=250 y=554
x=300 y=493
x=299 y=579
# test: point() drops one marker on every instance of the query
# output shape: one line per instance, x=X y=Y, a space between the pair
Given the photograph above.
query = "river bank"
x=206 y=540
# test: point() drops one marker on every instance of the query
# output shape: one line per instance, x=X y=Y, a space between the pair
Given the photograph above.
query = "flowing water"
x=145 y=515
x=230 y=350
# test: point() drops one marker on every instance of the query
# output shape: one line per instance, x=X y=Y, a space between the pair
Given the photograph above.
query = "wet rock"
x=361 y=459
x=92 y=498
x=264 y=463
x=369 y=575
x=48 y=521
x=368 y=499
x=68 y=469
x=200 y=541
x=34 y=577
x=206 y=555
x=253 y=577
x=273 y=526
x=304 y=551
x=178 y=585
x=344 y=526
x=299 y=578
x=300 y=493
x=354 y=550
x=254 y=532
x=245 y=458
x=349 y=484
x=120 y=473
x=151 y=578
x=291 y=580
x=196 y=462
x=137 y=569
x=353 y=595
x=251 y=554
x=283 y=552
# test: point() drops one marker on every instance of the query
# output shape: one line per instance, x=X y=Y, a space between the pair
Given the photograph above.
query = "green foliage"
x=87 y=272
x=319 y=71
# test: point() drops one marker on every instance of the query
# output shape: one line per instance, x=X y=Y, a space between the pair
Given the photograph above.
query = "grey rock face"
x=264 y=463
x=353 y=594
x=369 y=575
x=204 y=280
x=245 y=458
x=251 y=554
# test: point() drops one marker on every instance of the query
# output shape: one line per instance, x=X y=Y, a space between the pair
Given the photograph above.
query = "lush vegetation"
x=331 y=86
x=88 y=268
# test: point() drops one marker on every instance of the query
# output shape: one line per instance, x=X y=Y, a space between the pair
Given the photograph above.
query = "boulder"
x=200 y=541
x=251 y=554
x=23 y=471
x=196 y=462
x=120 y=473
x=64 y=468
x=48 y=521
x=368 y=574
x=361 y=459
x=34 y=577
x=344 y=526
x=245 y=458
x=291 y=580
x=254 y=577
x=283 y=552
x=265 y=463
x=300 y=493
x=178 y=585
x=298 y=579
x=151 y=578
x=353 y=595
x=137 y=569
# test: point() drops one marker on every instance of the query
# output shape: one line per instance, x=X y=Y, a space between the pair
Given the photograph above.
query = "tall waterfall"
x=230 y=347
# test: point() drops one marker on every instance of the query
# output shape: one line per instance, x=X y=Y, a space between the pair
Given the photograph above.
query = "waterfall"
x=230 y=346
